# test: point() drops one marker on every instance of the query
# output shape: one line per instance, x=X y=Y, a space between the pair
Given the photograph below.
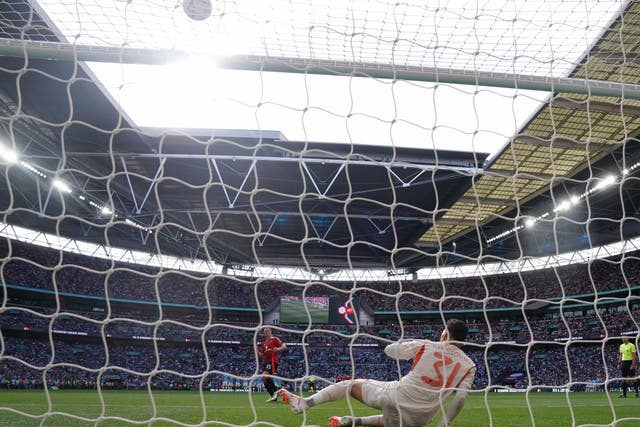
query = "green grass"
x=508 y=409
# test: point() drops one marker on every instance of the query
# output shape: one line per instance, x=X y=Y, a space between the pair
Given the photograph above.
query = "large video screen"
x=343 y=310
x=292 y=309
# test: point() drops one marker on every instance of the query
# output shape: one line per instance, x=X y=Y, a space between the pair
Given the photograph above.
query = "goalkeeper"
x=439 y=368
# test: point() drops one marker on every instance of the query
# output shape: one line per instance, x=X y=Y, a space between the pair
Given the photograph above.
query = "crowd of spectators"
x=548 y=326
x=60 y=272
x=571 y=339
x=33 y=362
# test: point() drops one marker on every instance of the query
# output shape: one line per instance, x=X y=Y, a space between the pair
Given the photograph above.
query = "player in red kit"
x=268 y=350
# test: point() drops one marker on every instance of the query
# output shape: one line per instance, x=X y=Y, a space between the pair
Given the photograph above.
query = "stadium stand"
x=133 y=321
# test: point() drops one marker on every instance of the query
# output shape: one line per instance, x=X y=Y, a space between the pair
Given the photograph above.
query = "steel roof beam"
x=424 y=219
x=224 y=186
x=559 y=142
x=595 y=106
x=488 y=201
x=355 y=161
x=382 y=230
x=264 y=234
x=531 y=176
x=315 y=230
x=153 y=182
x=313 y=179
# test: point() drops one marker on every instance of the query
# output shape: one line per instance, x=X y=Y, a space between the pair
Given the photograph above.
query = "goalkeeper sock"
x=372 y=420
x=330 y=394
x=348 y=421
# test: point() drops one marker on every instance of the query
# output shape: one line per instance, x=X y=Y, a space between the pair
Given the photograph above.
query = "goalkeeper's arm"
x=403 y=349
x=458 y=400
x=454 y=408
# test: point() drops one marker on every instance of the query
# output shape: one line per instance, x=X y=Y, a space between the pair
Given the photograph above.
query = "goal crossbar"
x=128 y=55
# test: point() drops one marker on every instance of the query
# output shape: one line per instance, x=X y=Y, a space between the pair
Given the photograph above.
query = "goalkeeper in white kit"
x=439 y=369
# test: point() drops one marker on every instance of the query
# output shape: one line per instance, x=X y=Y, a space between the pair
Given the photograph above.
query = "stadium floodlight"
x=106 y=210
x=61 y=186
x=8 y=155
x=138 y=226
x=607 y=181
x=530 y=222
x=32 y=169
x=563 y=206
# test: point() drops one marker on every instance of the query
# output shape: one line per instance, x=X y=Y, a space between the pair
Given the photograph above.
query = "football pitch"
x=180 y=408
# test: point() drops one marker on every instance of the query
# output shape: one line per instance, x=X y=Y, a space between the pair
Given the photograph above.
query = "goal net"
x=178 y=176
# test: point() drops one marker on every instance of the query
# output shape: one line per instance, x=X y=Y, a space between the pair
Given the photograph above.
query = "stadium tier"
x=135 y=321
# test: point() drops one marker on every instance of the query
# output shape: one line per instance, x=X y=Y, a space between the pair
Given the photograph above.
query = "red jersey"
x=266 y=347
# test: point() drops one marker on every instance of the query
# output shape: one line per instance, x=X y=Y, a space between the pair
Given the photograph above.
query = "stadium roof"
x=233 y=195
x=567 y=135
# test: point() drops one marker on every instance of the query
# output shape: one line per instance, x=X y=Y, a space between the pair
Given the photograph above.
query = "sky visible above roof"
x=540 y=38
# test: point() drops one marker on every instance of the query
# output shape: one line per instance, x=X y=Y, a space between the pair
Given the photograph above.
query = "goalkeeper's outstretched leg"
x=439 y=369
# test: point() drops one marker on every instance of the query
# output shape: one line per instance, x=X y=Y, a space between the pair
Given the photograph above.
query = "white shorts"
x=383 y=395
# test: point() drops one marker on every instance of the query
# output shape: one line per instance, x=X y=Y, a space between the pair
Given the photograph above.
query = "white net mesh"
x=348 y=174
x=537 y=38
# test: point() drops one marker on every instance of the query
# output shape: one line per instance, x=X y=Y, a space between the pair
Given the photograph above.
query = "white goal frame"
x=124 y=55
